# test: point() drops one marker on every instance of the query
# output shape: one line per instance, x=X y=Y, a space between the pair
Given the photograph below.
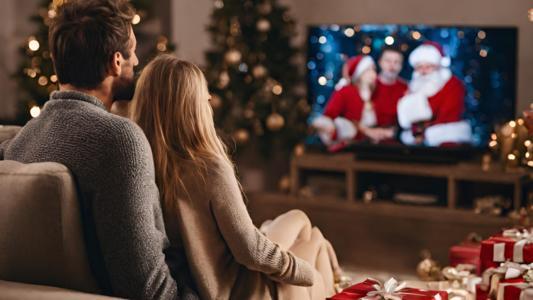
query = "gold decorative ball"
x=233 y=56
x=215 y=101
x=223 y=80
x=249 y=113
x=241 y=136
x=263 y=25
x=275 y=122
x=259 y=71
x=264 y=8
x=428 y=269
x=284 y=184
x=299 y=150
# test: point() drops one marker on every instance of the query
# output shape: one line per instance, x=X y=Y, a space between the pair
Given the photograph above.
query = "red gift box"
x=363 y=289
x=498 y=249
x=466 y=253
x=515 y=291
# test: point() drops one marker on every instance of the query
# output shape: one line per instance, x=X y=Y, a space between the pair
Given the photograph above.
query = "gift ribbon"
x=518 y=247
x=516 y=233
x=389 y=291
x=508 y=270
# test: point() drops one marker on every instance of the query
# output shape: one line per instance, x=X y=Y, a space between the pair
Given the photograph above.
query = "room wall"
x=190 y=17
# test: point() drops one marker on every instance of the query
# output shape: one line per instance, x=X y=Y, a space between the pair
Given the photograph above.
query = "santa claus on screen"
x=351 y=112
x=431 y=111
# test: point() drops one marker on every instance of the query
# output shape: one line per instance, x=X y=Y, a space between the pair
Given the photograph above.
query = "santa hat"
x=429 y=52
x=358 y=65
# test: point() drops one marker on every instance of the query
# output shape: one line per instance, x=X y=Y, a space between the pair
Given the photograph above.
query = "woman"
x=351 y=112
x=205 y=214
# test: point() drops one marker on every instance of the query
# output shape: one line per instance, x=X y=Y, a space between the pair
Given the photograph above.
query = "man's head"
x=427 y=58
x=390 y=62
x=92 y=41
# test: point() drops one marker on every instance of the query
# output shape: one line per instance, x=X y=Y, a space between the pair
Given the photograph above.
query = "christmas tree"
x=257 y=89
x=35 y=75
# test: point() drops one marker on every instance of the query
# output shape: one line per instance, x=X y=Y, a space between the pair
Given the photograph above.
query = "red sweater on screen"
x=347 y=103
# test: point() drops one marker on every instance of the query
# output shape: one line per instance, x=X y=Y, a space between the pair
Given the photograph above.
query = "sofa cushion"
x=18 y=291
x=41 y=238
x=7 y=132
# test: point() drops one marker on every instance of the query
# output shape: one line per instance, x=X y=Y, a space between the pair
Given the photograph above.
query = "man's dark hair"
x=84 y=36
x=390 y=48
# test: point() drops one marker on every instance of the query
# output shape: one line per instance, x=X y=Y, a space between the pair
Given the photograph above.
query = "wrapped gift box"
x=372 y=289
x=466 y=253
x=506 y=247
x=515 y=291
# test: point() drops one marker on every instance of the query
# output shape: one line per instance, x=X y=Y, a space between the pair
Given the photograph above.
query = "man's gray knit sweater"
x=112 y=165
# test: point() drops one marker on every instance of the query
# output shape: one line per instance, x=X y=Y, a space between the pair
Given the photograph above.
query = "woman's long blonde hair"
x=171 y=105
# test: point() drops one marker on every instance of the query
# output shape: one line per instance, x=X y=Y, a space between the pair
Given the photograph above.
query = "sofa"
x=42 y=250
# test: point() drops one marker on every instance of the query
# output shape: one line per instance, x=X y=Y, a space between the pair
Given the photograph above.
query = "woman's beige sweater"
x=228 y=256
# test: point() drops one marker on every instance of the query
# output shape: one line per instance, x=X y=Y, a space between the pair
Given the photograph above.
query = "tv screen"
x=454 y=84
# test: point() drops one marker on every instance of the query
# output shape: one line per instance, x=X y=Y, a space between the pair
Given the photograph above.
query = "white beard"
x=430 y=84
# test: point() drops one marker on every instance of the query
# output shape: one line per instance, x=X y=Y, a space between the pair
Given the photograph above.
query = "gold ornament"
x=264 y=8
x=249 y=113
x=263 y=25
x=428 y=269
x=275 y=122
x=259 y=71
x=57 y=3
x=223 y=79
x=241 y=136
x=284 y=183
x=299 y=150
x=215 y=101
x=233 y=56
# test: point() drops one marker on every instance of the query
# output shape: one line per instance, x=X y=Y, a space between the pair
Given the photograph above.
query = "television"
x=483 y=59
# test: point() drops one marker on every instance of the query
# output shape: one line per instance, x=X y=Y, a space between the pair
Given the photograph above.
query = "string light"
x=219 y=4
x=349 y=32
x=53 y=78
x=33 y=44
x=43 y=80
x=277 y=90
x=366 y=49
x=483 y=53
x=511 y=156
x=416 y=35
x=322 y=40
x=35 y=111
x=512 y=124
x=322 y=80
x=389 y=40
x=481 y=35
x=136 y=19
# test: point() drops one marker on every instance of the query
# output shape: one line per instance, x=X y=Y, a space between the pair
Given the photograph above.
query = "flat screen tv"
x=482 y=61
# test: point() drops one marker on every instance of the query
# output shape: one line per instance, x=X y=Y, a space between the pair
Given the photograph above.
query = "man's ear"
x=116 y=63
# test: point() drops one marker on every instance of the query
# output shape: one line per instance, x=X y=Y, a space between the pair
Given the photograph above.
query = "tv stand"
x=351 y=167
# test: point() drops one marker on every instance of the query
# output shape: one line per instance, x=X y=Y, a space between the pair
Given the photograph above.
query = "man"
x=93 y=49
x=431 y=112
x=389 y=86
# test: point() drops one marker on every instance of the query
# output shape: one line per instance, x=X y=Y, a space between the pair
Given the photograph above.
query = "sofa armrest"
x=16 y=290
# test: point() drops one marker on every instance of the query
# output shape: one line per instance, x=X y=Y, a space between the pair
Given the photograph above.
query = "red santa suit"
x=434 y=104
x=346 y=106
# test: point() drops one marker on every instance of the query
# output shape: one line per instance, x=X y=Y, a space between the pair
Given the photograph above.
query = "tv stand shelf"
x=348 y=164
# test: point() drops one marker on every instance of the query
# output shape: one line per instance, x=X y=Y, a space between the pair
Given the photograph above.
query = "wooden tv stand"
x=465 y=171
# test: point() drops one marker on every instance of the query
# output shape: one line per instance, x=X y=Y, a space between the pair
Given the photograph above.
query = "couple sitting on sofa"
x=170 y=174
